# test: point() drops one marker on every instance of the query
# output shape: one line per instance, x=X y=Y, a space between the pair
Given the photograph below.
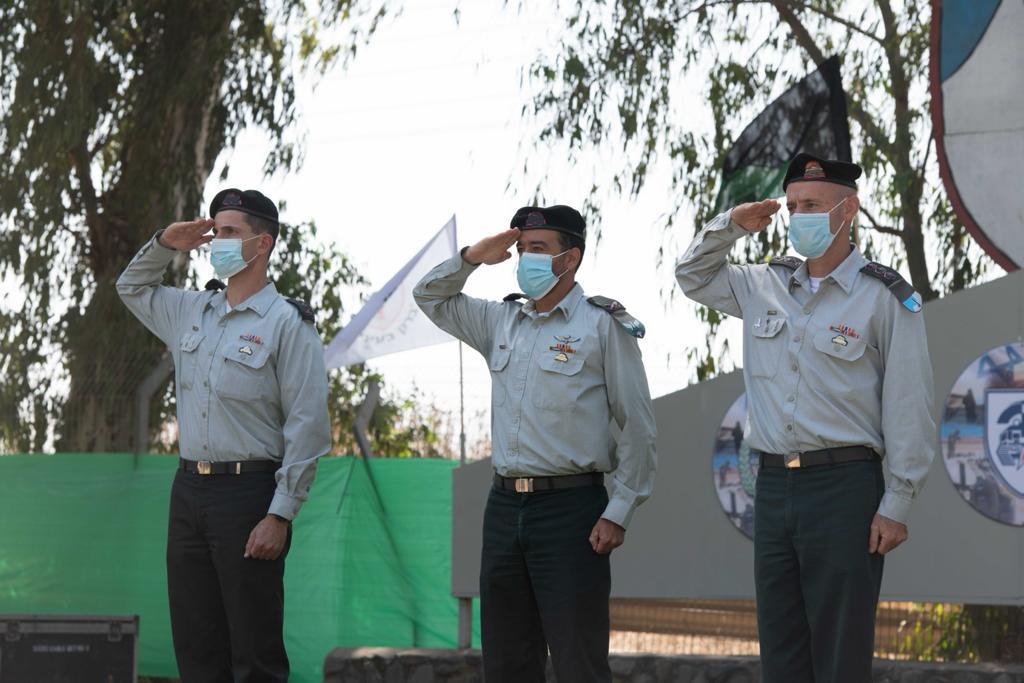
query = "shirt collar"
x=567 y=305
x=843 y=275
x=260 y=302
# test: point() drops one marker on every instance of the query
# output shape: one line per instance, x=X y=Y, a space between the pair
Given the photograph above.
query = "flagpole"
x=462 y=413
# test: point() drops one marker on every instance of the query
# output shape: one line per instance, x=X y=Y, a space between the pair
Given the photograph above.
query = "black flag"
x=809 y=117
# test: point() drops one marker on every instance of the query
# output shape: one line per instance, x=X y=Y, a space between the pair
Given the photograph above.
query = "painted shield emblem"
x=1004 y=435
x=983 y=434
x=734 y=468
x=977 y=88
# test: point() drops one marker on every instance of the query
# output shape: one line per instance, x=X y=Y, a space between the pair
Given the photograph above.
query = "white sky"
x=427 y=122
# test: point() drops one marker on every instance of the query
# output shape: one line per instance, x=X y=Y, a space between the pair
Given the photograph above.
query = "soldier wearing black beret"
x=251 y=392
x=837 y=373
x=563 y=367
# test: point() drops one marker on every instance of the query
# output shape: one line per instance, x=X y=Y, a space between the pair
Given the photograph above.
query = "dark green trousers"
x=817 y=585
x=543 y=588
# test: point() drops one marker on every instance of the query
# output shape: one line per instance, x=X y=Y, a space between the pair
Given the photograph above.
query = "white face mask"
x=226 y=256
x=811 y=233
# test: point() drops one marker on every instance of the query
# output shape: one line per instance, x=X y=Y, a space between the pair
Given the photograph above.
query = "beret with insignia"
x=561 y=218
x=252 y=202
x=806 y=167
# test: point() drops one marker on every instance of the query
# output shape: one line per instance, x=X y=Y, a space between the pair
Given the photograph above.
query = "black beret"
x=806 y=167
x=560 y=218
x=252 y=202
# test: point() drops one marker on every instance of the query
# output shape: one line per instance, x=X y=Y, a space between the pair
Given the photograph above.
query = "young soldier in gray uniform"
x=251 y=389
x=563 y=367
x=836 y=366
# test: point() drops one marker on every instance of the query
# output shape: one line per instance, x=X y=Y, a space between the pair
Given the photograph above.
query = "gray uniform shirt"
x=558 y=380
x=250 y=383
x=843 y=367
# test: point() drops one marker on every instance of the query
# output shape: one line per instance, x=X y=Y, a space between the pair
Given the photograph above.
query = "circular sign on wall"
x=983 y=434
x=734 y=469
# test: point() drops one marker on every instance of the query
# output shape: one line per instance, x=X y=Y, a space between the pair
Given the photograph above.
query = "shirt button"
x=204 y=448
x=807 y=311
x=204 y=414
x=789 y=428
x=797 y=339
x=795 y=367
x=791 y=399
x=206 y=383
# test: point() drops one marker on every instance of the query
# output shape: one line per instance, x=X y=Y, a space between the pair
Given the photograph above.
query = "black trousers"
x=543 y=587
x=227 y=612
x=817 y=585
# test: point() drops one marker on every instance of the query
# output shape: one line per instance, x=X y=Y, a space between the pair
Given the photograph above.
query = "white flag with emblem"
x=391 y=321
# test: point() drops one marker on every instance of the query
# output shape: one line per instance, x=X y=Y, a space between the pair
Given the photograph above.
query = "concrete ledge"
x=387 y=665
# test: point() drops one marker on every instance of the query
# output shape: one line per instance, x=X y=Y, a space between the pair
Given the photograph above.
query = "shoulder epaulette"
x=791 y=262
x=214 y=285
x=305 y=310
x=618 y=311
x=514 y=296
x=894 y=282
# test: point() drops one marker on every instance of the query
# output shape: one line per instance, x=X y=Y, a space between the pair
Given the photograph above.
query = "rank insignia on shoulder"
x=514 y=296
x=618 y=311
x=305 y=310
x=894 y=282
x=214 y=285
x=791 y=262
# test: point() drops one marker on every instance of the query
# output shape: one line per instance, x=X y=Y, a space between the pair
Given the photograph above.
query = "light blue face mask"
x=810 y=233
x=226 y=256
x=535 y=275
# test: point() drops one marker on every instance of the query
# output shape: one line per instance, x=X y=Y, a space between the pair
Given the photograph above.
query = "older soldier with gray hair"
x=838 y=377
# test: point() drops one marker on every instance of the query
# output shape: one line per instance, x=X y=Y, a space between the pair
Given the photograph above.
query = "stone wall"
x=384 y=665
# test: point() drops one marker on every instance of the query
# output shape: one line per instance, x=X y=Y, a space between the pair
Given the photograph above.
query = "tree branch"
x=884 y=229
x=806 y=41
x=843 y=22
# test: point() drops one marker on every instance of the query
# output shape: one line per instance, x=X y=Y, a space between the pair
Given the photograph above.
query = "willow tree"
x=618 y=78
x=112 y=116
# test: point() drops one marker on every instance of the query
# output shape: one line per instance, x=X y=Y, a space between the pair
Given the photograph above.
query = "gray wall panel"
x=680 y=543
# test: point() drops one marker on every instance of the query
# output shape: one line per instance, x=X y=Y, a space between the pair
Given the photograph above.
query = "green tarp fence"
x=370 y=563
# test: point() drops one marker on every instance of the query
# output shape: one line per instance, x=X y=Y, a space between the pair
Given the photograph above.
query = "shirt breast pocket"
x=187 y=358
x=839 y=346
x=558 y=384
x=498 y=365
x=244 y=375
x=765 y=346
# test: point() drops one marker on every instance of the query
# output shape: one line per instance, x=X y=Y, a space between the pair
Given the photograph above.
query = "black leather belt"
x=825 y=456
x=240 y=467
x=531 y=484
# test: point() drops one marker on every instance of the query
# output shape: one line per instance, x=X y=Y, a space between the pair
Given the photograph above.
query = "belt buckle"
x=204 y=467
x=524 y=485
x=792 y=461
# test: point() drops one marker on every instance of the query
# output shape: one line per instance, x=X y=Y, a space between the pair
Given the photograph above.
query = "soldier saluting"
x=836 y=367
x=563 y=367
x=251 y=391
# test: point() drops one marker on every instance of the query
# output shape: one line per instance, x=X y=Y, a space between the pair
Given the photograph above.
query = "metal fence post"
x=143 y=397
x=465 y=637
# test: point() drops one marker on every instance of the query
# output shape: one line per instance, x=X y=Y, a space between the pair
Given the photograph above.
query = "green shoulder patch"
x=618 y=311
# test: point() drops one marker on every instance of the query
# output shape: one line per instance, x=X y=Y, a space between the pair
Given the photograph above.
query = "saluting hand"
x=187 y=235
x=755 y=216
x=267 y=540
x=606 y=536
x=493 y=249
x=885 y=534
